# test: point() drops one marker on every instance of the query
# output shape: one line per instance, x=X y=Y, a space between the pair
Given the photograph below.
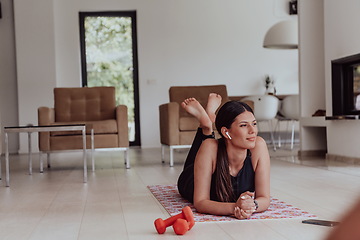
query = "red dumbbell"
x=181 y=226
x=185 y=214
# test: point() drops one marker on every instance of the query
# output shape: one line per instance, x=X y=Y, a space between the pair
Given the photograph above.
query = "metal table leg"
x=41 y=161
x=162 y=153
x=7 y=172
x=30 y=154
x=126 y=155
x=92 y=150
x=84 y=155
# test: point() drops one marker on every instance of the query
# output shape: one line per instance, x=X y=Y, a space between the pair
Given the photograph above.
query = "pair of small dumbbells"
x=181 y=222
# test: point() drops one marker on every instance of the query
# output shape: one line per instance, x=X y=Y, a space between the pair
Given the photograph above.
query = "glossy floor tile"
x=116 y=204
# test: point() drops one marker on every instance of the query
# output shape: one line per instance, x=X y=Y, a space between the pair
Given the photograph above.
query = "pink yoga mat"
x=171 y=200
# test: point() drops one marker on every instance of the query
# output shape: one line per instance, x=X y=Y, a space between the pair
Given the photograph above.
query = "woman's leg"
x=206 y=119
x=186 y=179
x=199 y=138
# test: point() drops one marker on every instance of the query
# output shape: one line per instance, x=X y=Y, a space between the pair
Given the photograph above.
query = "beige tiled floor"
x=116 y=204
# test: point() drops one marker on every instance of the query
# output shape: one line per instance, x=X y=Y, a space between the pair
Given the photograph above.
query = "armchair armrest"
x=169 y=123
x=46 y=116
x=122 y=124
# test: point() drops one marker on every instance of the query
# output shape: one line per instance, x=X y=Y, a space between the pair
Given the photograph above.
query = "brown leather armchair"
x=93 y=106
x=177 y=127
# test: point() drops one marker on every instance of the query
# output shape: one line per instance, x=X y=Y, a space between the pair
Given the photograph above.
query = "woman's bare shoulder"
x=209 y=145
x=260 y=152
x=260 y=148
x=260 y=142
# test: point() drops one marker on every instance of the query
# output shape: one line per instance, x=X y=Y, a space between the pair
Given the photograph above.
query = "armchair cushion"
x=78 y=104
x=100 y=127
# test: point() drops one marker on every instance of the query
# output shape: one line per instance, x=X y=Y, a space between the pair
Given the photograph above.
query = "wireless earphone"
x=227 y=134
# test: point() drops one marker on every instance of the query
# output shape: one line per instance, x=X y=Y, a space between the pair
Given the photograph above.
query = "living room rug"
x=172 y=201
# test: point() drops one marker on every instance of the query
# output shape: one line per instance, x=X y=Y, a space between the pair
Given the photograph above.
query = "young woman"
x=231 y=175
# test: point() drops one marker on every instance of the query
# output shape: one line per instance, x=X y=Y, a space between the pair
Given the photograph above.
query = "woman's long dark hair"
x=224 y=118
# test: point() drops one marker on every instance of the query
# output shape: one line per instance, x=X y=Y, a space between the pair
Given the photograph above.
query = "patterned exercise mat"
x=171 y=200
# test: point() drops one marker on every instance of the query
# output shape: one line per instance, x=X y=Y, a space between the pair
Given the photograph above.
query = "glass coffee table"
x=51 y=128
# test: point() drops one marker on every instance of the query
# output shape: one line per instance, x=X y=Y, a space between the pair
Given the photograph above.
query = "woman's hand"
x=245 y=206
x=241 y=214
x=246 y=201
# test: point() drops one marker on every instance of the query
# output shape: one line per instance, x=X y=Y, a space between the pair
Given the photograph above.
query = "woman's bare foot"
x=213 y=104
x=193 y=107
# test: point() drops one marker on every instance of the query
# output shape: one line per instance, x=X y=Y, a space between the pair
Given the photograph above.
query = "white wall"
x=8 y=85
x=35 y=60
x=311 y=57
x=180 y=43
x=312 y=75
x=341 y=39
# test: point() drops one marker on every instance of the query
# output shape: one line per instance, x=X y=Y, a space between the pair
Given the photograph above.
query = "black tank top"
x=242 y=182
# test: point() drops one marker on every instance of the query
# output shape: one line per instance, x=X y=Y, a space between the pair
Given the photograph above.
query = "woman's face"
x=243 y=130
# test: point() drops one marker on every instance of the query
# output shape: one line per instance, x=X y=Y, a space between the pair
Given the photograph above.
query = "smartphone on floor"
x=321 y=222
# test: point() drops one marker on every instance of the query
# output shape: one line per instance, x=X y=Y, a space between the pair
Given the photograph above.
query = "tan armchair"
x=177 y=127
x=93 y=106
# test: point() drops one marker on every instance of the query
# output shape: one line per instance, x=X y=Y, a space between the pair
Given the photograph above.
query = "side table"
x=50 y=128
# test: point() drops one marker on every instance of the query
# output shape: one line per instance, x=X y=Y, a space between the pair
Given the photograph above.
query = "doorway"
x=109 y=58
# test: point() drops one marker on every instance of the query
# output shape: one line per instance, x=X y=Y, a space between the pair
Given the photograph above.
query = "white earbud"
x=227 y=134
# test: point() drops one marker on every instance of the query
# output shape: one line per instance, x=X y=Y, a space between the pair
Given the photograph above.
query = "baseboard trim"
x=311 y=153
x=348 y=160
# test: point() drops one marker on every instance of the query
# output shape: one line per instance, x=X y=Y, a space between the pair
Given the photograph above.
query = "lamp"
x=282 y=35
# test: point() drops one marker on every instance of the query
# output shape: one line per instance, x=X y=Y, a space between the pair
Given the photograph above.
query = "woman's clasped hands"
x=245 y=206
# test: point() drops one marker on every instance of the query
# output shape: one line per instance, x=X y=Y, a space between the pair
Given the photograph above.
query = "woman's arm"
x=204 y=167
x=261 y=164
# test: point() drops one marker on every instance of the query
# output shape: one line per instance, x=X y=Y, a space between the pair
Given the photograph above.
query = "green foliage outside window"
x=109 y=57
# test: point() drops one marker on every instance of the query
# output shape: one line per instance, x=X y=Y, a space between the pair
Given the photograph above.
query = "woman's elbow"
x=267 y=204
x=199 y=207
